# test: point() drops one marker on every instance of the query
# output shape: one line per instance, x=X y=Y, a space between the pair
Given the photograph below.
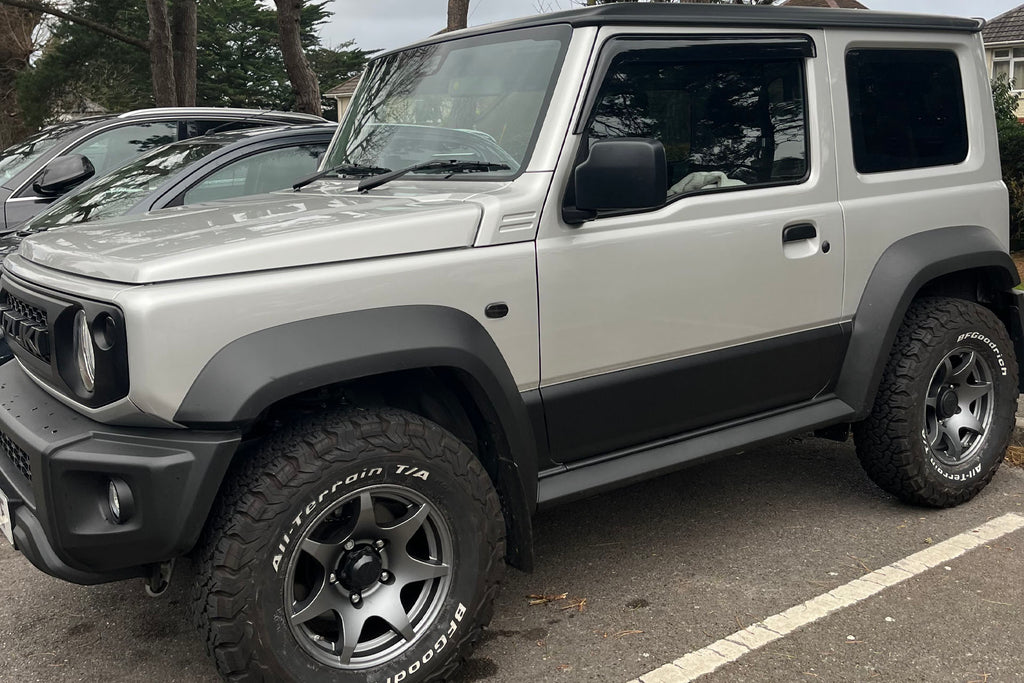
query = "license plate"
x=5 y=519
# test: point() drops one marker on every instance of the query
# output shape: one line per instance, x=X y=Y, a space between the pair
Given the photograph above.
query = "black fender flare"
x=900 y=273
x=255 y=371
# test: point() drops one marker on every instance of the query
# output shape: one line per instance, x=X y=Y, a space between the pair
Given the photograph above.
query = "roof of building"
x=1007 y=27
x=834 y=4
x=346 y=88
x=726 y=16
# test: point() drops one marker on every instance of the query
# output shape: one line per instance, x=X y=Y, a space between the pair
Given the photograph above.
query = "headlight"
x=85 y=357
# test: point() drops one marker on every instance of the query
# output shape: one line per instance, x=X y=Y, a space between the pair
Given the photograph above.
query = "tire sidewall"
x=448 y=496
x=993 y=346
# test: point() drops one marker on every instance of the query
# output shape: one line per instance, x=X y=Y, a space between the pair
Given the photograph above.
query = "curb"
x=1017 y=439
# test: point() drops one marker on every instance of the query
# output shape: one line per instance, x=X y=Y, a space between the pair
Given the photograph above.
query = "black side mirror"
x=622 y=174
x=62 y=174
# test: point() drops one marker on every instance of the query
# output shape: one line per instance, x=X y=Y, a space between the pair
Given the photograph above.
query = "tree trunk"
x=458 y=14
x=303 y=80
x=161 y=56
x=183 y=40
x=17 y=27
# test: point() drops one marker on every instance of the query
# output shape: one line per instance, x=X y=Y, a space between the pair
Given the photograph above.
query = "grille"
x=16 y=455
x=26 y=311
x=25 y=324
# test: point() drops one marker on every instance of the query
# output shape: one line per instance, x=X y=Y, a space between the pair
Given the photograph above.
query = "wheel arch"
x=437 y=361
x=966 y=262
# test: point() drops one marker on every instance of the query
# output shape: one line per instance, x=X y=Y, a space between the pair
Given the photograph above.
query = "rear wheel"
x=946 y=405
x=355 y=546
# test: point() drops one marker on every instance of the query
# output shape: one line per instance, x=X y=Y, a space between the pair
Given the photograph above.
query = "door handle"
x=798 y=231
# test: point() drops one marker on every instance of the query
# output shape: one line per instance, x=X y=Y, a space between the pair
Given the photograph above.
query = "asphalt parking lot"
x=649 y=574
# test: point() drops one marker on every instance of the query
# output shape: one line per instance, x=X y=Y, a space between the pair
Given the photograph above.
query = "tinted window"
x=724 y=122
x=257 y=174
x=18 y=157
x=906 y=109
x=113 y=147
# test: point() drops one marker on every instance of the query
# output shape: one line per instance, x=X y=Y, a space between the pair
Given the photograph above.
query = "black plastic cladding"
x=57 y=367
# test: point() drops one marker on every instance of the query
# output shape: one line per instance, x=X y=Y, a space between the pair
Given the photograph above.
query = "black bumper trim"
x=61 y=516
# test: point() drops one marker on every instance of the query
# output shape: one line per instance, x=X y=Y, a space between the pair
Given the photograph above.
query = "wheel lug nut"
x=356 y=598
x=378 y=544
x=333 y=578
x=385 y=576
x=349 y=545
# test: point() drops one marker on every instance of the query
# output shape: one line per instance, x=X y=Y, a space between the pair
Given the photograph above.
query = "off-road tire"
x=893 y=443
x=239 y=602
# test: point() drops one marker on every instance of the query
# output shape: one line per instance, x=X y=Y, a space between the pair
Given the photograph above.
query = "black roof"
x=726 y=16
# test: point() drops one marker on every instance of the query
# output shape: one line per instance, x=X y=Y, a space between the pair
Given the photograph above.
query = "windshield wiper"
x=451 y=167
x=343 y=169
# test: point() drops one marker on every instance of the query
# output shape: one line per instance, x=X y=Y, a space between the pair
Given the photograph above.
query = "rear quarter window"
x=906 y=109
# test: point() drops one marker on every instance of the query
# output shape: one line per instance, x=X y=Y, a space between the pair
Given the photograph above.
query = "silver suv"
x=541 y=259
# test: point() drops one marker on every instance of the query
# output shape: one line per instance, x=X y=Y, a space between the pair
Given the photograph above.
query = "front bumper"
x=55 y=465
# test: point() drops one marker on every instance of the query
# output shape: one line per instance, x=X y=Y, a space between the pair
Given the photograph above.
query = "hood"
x=280 y=230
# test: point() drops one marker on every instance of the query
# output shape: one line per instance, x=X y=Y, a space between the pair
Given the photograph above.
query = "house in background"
x=342 y=94
x=1004 y=49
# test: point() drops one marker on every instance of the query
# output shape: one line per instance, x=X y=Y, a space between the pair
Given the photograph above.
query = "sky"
x=388 y=24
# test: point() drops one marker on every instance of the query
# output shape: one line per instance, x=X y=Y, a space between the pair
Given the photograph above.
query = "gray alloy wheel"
x=959 y=406
x=351 y=545
x=367 y=577
x=945 y=405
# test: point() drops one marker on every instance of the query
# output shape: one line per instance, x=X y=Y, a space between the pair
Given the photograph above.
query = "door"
x=725 y=302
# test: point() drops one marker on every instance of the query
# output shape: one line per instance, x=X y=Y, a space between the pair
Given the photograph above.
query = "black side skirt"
x=636 y=464
x=618 y=410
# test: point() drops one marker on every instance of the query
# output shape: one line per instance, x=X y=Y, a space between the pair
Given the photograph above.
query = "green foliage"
x=1011 y=150
x=239 y=61
x=1004 y=99
x=79 y=64
x=1011 y=154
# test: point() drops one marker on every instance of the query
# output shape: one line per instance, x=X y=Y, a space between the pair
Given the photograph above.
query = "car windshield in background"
x=115 y=193
x=477 y=99
x=19 y=156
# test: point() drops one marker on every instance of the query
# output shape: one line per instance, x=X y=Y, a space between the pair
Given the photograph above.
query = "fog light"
x=120 y=500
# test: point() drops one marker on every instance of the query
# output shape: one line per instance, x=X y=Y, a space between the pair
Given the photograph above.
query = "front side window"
x=727 y=118
x=906 y=109
x=477 y=99
x=113 y=147
x=17 y=158
x=259 y=173
x=117 y=192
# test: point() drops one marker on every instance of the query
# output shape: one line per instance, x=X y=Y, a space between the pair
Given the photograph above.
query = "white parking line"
x=695 y=664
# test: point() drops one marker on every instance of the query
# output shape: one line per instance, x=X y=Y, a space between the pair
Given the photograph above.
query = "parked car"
x=200 y=169
x=37 y=171
x=679 y=230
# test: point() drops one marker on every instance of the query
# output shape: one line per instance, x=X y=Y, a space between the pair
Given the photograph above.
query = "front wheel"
x=946 y=405
x=356 y=546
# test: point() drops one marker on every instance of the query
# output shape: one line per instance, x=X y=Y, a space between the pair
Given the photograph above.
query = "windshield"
x=121 y=189
x=17 y=157
x=477 y=99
